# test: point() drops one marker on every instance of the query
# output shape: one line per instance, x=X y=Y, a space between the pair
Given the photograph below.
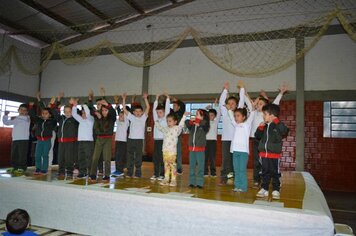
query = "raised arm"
x=223 y=97
x=6 y=120
x=155 y=104
x=145 y=98
x=232 y=118
x=282 y=90
x=124 y=104
x=241 y=87
x=87 y=112
x=75 y=115
x=167 y=108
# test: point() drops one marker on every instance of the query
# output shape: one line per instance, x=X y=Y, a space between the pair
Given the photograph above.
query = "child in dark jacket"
x=270 y=133
x=67 y=136
x=44 y=124
x=198 y=129
x=103 y=128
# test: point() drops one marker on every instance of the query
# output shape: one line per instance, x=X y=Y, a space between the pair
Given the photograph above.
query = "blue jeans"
x=240 y=160
x=41 y=155
x=196 y=168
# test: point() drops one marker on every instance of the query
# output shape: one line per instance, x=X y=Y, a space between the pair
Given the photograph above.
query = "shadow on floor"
x=343 y=207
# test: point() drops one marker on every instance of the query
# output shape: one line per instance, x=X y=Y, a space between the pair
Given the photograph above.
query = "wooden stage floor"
x=292 y=191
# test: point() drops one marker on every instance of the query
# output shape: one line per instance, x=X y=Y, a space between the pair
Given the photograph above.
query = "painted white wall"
x=189 y=71
x=76 y=80
x=15 y=81
x=330 y=65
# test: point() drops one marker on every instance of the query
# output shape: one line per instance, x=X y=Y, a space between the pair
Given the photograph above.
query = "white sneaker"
x=276 y=195
x=153 y=177
x=262 y=193
x=160 y=178
x=230 y=175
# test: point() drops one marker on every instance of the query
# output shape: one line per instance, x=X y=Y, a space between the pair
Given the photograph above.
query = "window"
x=340 y=119
x=11 y=106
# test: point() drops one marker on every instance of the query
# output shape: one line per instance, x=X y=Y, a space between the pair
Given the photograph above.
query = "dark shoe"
x=92 y=179
x=106 y=179
x=179 y=172
x=37 y=172
x=200 y=187
x=81 y=176
x=191 y=186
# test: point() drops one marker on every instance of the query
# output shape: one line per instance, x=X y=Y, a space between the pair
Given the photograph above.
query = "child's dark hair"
x=171 y=115
x=263 y=99
x=213 y=111
x=23 y=105
x=67 y=106
x=242 y=111
x=160 y=107
x=271 y=109
x=205 y=116
x=17 y=221
x=47 y=109
x=136 y=107
x=232 y=98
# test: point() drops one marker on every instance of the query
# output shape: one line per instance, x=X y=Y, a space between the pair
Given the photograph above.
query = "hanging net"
x=245 y=38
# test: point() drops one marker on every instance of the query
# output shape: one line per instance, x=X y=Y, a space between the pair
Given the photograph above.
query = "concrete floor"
x=343 y=207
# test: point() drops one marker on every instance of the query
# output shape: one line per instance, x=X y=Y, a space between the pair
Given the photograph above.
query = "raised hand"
x=263 y=94
x=53 y=100
x=283 y=88
x=102 y=91
x=38 y=96
x=240 y=84
x=116 y=99
x=90 y=94
x=31 y=104
x=157 y=96
x=145 y=95
x=60 y=95
x=98 y=115
x=226 y=85
x=124 y=96
x=165 y=93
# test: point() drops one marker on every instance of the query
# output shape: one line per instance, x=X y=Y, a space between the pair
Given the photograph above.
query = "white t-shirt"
x=227 y=127
x=21 y=129
x=137 y=126
x=258 y=119
x=157 y=134
x=121 y=130
x=213 y=130
x=85 y=128
x=241 y=140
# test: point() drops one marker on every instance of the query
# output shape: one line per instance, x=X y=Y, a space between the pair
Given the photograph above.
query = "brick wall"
x=5 y=146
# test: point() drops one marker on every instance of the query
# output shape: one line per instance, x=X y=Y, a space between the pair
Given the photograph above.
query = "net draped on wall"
x=248 y=41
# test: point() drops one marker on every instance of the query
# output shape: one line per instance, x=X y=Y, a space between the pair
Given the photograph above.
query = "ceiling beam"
x=47 y=12
x=18 y=30
x=124 y=22
x=93 y=10
x=135 y=6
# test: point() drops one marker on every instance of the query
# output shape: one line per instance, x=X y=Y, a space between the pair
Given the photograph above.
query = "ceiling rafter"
x=135 y=6
x=124 y=22
x=94 y=10
x=18 y=30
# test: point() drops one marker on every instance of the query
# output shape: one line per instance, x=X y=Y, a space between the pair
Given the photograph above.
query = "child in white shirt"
x=240 y=142
x=20 y=137
x=160 y=113
x=136 y=135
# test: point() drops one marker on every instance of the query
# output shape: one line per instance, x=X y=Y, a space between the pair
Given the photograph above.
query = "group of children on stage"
x=85 y=138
